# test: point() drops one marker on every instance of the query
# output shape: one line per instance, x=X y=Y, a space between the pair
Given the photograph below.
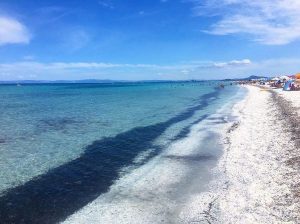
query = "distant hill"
x=248 y=78
x=56 y=81
x=90 y=81
x=108 y=81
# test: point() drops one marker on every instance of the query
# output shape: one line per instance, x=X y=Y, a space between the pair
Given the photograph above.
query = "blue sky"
x=154 y=39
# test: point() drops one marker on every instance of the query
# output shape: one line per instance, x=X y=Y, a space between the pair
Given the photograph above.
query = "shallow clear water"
x=66 y=144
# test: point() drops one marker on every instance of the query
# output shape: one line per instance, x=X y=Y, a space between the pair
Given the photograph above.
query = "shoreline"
x=260 y=161
x=239 y=164
x=180 y=185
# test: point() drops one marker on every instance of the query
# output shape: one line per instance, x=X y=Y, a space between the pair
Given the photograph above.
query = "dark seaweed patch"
x=190 y=158
x=53 y=196
x=56 y=124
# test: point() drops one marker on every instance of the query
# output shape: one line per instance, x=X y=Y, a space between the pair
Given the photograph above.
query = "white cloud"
x=101 y=65
x=106 y=4
x=271 y=22
x=195 y=70
x=232 y=63
x=76 y=39
x=60 y=70
x=13 y=32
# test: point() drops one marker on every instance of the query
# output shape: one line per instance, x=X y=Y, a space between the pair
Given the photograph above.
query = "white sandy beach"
x=292 y=97
x=262 y=180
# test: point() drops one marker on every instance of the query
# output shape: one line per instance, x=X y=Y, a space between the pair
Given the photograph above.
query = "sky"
x=148 y=39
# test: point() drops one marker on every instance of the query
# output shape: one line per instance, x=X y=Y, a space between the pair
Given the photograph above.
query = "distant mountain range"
x=90 y=81
x=108 y=81
x=248 y=78
x=57 y=81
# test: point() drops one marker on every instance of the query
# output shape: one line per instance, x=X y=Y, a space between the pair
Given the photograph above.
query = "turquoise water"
x=51 y=130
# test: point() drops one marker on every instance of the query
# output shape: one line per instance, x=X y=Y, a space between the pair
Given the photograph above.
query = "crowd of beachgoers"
x=287 y=83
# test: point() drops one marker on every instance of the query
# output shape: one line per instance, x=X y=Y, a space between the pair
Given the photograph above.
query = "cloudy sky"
x=148 y=39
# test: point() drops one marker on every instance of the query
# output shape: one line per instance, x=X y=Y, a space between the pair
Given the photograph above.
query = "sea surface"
x=69 y=150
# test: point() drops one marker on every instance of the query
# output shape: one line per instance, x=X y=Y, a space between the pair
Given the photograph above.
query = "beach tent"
x=287 y=85
x=275 y=79
x=297 y=76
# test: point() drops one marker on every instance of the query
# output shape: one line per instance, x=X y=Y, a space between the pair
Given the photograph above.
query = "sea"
x=110 y=153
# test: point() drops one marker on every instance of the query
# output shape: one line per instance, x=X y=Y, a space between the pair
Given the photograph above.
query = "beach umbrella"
x=297 y=76
x=284 y=77
x=275 y=79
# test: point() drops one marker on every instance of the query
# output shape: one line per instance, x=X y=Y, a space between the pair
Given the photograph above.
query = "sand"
x=261 y=161
x=293 y=97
